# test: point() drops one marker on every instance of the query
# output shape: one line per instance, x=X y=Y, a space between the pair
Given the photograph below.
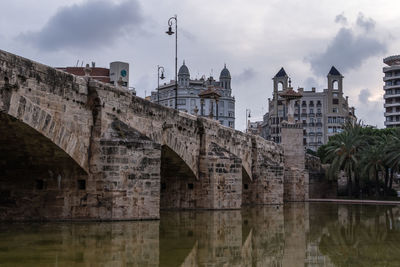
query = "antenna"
x=82 y=64
x=77 y=62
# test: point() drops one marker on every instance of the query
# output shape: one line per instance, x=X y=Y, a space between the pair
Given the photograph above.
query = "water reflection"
x=298 y=234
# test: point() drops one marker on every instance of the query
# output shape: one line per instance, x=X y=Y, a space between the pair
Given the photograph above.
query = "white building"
x=392 y=91
x=188 y=99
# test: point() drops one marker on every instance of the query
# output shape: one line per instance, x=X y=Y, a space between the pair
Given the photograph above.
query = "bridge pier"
x=125 y=180
x=220 y=179
x=267 y=184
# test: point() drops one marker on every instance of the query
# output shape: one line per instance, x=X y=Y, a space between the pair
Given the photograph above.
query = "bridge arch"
x=37 y=178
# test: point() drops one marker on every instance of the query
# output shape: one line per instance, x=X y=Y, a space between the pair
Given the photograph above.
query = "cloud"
x=348 y=49
x=246 y=75
x=363 y=96
x=367 y=24
x=89 y=25
x=310 y=82
x=341 y=19
x=365 y=106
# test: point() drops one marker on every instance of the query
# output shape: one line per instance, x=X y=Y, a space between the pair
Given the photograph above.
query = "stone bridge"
x=75 y=148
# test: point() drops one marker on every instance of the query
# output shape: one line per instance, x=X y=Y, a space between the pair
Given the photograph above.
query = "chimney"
x=313 y=89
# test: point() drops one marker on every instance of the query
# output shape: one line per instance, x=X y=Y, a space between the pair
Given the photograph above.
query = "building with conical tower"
x=322 y=114
x=189 y=96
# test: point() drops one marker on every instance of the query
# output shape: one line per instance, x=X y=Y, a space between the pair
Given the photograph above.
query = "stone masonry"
x=75 y=148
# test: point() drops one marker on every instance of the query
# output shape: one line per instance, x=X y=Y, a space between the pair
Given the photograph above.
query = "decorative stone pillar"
x=295 y=177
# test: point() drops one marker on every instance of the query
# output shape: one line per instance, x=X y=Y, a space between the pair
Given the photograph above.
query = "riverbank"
x=356 y=201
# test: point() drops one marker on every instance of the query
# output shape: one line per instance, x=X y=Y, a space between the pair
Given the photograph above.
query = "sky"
x=254 y=38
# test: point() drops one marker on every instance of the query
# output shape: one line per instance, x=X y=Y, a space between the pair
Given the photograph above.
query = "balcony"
x=319 y=114
x=393 y=113
x=304 y=124
x=311 y=134
x=391 y=86
x=391 y=123
x=304 y=114
x=392 y=104
x=319 y=133
x=311 y=114
x=386 y=95
x=311 y=124
x=319 y=124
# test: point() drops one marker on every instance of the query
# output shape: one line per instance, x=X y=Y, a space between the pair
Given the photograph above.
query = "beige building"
x=322 y=114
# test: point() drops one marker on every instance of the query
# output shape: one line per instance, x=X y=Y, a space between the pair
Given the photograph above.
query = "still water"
x=298 y=234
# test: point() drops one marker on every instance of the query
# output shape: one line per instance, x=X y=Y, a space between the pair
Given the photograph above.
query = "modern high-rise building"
x=322 y=114
x=190 y=92
x=392 y=91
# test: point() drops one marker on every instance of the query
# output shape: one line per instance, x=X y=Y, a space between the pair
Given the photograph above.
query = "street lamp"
x=170 y=32
x=158 y=81
x=247 y=121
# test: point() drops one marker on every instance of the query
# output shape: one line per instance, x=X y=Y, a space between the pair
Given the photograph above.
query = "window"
x=335 y=110
x=231 y=105
x=335 y=101
x=181 y=101
x=192 y=102
x=318 y=110
x=318 y=119
x=81 y=184
x=311 y=110
x=335 y=94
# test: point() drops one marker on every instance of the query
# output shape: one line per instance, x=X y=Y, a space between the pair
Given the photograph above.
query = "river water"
x=296 y=234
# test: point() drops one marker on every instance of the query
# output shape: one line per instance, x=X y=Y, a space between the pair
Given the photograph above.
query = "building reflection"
x=297 y=234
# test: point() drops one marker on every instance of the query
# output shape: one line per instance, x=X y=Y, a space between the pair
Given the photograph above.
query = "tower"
x=183 y=75
x=280 y=78
x=225 y=78
x=335 y=80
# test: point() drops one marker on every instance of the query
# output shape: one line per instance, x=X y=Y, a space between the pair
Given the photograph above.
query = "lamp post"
x=170 y=32
x=247 y=116
x=158 y=81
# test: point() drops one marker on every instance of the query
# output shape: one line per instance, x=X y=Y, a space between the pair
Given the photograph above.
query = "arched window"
x=280 y=86
x=335 y=85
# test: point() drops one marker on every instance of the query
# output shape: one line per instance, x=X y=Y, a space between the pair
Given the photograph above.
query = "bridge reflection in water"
x=298 y=234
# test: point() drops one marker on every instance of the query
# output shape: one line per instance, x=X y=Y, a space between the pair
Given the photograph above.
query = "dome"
x=183 y=70
x=225 y=73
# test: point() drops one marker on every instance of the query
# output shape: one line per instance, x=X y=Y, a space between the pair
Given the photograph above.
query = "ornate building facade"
x=189 y=96
x=322 y=114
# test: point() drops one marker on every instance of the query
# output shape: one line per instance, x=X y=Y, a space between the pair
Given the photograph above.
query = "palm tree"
x=343 y=153
x=372 y=162
x=392 y=154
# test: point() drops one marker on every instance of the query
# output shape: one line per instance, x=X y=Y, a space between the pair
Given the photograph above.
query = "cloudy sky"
x=255 y=38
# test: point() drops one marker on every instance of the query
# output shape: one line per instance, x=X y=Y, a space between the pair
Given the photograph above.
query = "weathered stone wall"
x=319 y=185
x=296 y=178
x=109 y=151
x=220 y=180
x=296 y=185
x=125 y=180
x=292 y=143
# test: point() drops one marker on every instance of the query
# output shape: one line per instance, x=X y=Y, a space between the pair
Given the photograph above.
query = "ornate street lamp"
x=170 y=32
x=247 y=121
x=158 y=81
